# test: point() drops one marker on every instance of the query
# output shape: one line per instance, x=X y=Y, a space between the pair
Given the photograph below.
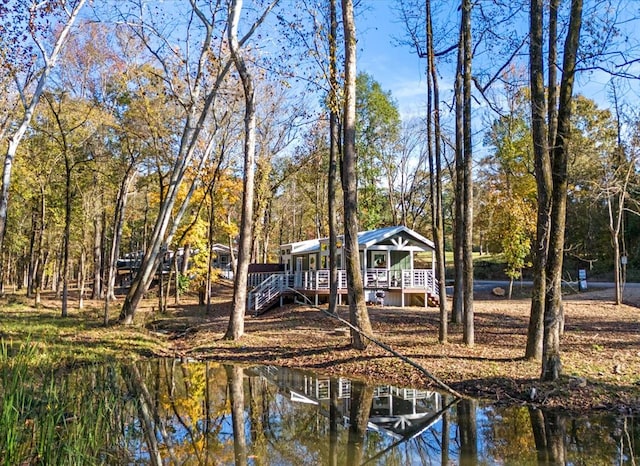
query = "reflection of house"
x=397 y=412
x=388 y=258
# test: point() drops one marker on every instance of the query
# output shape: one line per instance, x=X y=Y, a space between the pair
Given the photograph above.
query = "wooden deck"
x=400 y=288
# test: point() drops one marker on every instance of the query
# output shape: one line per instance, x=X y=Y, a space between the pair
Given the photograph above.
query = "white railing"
x=318 y=279
x=377 y=278
x=264 y=293
x=418 y=279
x=275 y=283
x=422 y=279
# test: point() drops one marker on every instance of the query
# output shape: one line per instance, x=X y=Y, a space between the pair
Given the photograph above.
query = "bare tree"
x=542 y=169
x=235 y=329
x=334 y=155
x=468 y=331
x=48 y=56
x=358 y=313
x=435 y=152
x=203 y=77
x=551 y=363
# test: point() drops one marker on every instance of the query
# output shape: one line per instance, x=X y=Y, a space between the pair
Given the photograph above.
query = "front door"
x=399 y=260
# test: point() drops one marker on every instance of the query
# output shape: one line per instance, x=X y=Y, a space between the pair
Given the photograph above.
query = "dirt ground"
x=600 y=347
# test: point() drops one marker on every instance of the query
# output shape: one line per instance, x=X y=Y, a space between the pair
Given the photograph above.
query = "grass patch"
x=81 y=338
x=52 y=418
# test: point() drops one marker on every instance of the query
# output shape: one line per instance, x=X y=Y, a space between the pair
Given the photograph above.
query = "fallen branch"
x=386 y=347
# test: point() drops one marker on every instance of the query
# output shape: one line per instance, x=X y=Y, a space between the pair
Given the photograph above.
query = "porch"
x=382 y=286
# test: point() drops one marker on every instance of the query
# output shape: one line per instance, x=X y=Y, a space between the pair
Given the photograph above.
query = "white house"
x=388 y=261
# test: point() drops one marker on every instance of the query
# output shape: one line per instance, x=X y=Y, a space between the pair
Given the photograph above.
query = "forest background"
x=127 y=127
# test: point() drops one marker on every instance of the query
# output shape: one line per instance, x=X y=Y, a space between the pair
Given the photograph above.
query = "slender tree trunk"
x=444 y=438
x=555 y=438
x=539 y=434
x=66 y=240
x=32 y=252
x=235 y=377
x=335 y=417
x=458 y=231
x=552 y=72
x=467 y=423
x=360 y=409
x=96 y=293
x=82 y=277
x=358 y=313
x=114 y=250
x=334 y=149
x=551 y=364
x=210 y=232
x=235 y=328
x=542 y=166
x=468 y=330
x=437 y=217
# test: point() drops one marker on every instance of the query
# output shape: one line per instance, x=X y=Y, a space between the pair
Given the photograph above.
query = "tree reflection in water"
x=172 y=412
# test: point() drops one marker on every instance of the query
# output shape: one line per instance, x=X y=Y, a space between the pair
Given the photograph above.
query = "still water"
x=190 y=413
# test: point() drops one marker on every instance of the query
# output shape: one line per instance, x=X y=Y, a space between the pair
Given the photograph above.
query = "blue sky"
x=400 y=71
x=396 y=68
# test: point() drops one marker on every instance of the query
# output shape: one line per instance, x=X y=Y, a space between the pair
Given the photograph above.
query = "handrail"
x=276 y=283
x=264 y=293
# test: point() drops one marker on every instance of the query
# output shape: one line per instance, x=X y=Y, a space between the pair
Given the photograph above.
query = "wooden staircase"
x=433 y=300
x=270 y=290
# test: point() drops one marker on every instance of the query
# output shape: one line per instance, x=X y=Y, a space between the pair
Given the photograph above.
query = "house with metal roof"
x=398 y=269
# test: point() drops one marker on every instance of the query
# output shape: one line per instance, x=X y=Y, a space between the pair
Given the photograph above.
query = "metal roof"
x=366 y=239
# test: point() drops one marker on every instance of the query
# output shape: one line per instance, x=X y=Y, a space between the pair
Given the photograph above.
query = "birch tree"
x=235 y=329
x=30 y=78
x=194 y=71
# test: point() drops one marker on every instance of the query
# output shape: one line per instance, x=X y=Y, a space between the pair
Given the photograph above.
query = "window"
x=324 y=262
x=380 y=260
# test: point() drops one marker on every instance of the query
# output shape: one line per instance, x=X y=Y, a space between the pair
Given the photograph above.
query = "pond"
x=192 y=413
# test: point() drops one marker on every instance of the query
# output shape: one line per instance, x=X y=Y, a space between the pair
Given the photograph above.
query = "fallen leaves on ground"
x=600 y=348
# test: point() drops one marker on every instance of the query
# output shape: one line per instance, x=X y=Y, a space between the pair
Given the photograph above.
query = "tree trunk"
x=437 y=216
x=32 y=252
x=334 y=153
x=542 y=168
x=358 y=314
x=468 y=432
x=335 y=416
x=235 y=378
x=360 y=409
x=235 y=328
x=96 y=293
x=82 y=278
x=539 y=433
x=468 y=330
x=67 y=238
x=210 y=231
x=114 y=250
x=458 y=231
x=555 y=438
x=551 y=364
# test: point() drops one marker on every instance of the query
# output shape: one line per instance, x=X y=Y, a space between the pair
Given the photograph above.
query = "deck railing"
x=268 y=290
x=421 y=279
x=266 y=287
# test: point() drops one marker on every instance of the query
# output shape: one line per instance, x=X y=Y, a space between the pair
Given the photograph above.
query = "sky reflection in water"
x=169 y=412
